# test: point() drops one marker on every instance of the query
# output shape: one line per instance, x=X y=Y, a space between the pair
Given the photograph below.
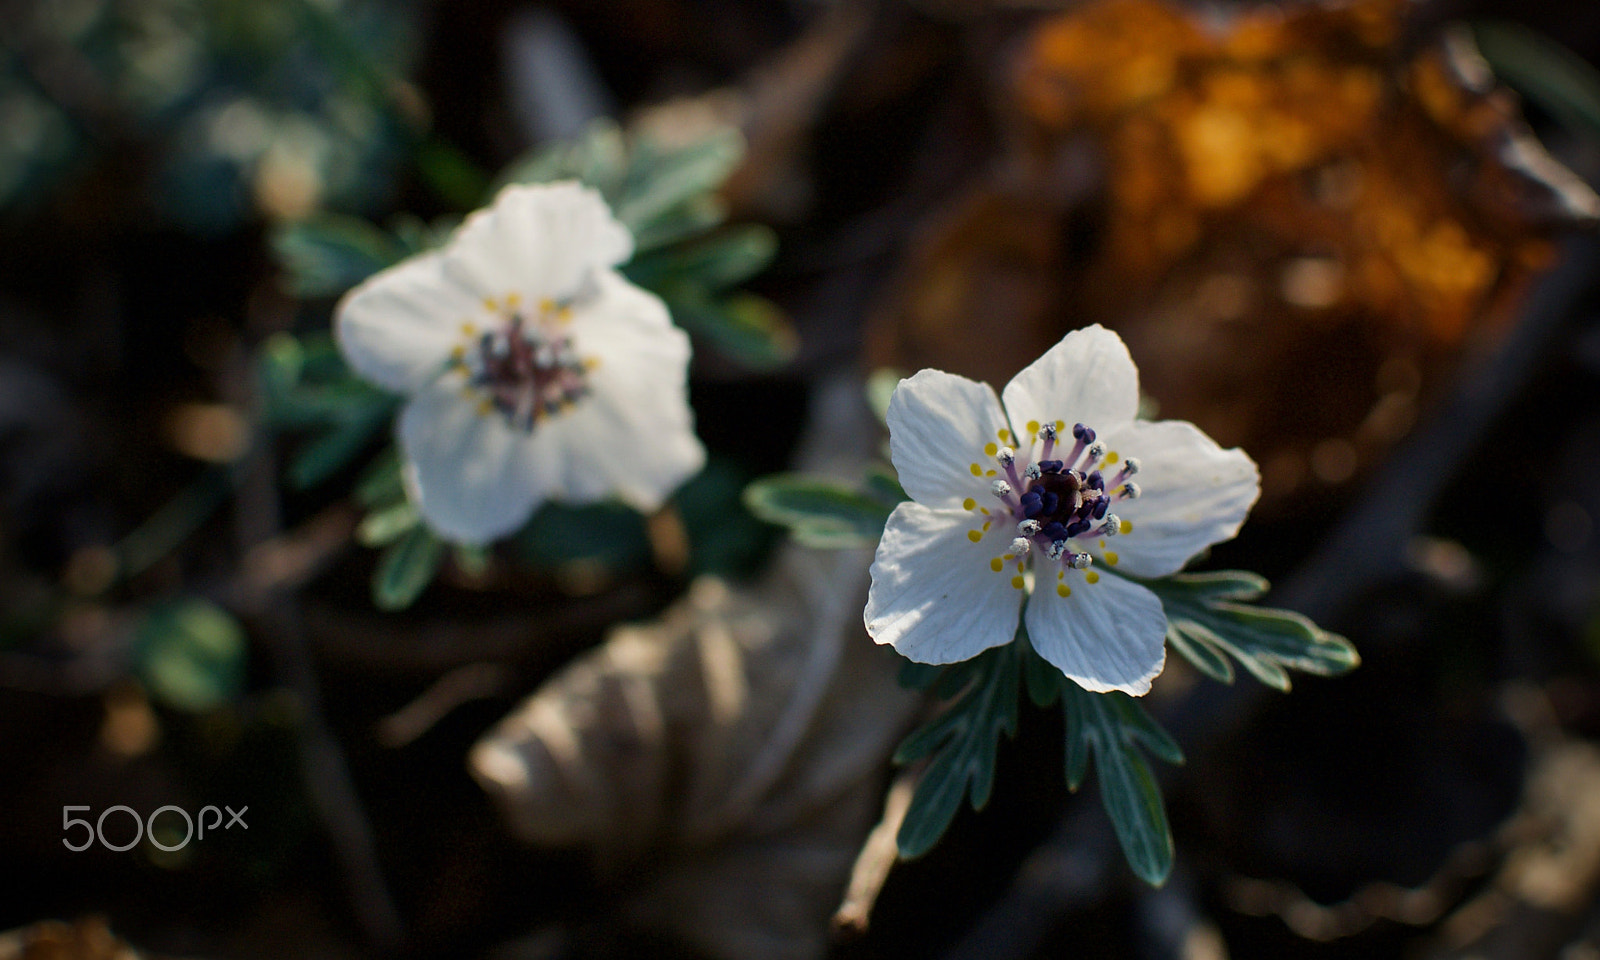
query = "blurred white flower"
x=535 y=371
x=1028 y=509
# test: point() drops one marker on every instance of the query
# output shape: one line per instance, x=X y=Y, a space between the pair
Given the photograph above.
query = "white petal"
x=934 y=596
x=1193 y=493
x=633 y=436
x=470 y=473
x=537 y=240
x=1109 y=635
x=397 y=327
x=1087 y=378
x=939 y=424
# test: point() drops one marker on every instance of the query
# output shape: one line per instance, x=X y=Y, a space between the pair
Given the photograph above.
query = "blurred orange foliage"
x=1295 y=216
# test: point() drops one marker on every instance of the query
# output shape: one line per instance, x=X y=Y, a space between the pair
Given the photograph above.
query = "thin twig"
x=877 y=856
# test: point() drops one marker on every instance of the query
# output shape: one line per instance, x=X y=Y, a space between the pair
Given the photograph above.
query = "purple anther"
x=1032 y=504
x=1077 y=528
x=1051 y=466
x=1100 y=507
x=1096 y=481
x=1054 y=530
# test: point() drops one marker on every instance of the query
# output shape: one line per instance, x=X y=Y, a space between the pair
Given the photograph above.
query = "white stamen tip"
x=1130 y=490
x=1130 y=466
x=1081 y=561
x=1019 y=548
x=1000 y=489
x=1006 y=456
x=1033 y=471
x=1057 y=548
x=1096 y=451
x=1028 y=527
x=1113 y=525
x=1048 y=431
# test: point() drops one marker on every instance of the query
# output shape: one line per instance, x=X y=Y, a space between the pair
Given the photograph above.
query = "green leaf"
x=607 y=533
x=1112 y=726
x=451 y=174
x=964 y=743
x=329 y=253
x=745 y=327
x=383 y=527
x=1207 y=615
x=882 y=485
x=725 y=259
x=661 y=180
x=724 y=537
x=1544 y=71
x=190 y=653
x=406 y=568
x=693 y=217
x=598 y=157
x=335 y=449
x=381 y=483
x=818 y=512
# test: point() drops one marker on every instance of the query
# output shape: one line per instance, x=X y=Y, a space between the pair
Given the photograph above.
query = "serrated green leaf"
x=725 y=259
x=818 y=512
x=964 y=743
x=1544 y=71
x=1111 y=726
x=1204 y=612
x=745 y=327
x=383 y=527
x=1201 y=650
x=190 y=653
x=329 y=253
x=406 y=568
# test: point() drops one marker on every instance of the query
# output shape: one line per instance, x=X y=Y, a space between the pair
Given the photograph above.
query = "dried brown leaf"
x=737 y=748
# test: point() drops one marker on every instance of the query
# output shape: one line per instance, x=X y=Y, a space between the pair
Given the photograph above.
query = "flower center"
x=1058 y=502
x=524 y=367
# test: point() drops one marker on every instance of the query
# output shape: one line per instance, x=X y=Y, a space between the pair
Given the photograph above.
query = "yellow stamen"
x=986 y=525
x=990 y=449
x=1091 y=577
x=491 y=304
x=968 y=503
x=1111 y=557
x=513 y=299
x=988 y=473
x=484 y=408
x=1125 y=526
x=1017 y=582
x=1111 y=458
x=997 y=564
x=1004 y=435
x=547 y=306
x=1033 y=426
x=458 y=353
x=1062 y=590
x=1061 y=425
x=977 y=471
x=974 y=536
x=469 y=330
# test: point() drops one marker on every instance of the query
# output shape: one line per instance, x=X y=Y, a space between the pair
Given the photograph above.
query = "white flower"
x=535 y=371
x=955 y=565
